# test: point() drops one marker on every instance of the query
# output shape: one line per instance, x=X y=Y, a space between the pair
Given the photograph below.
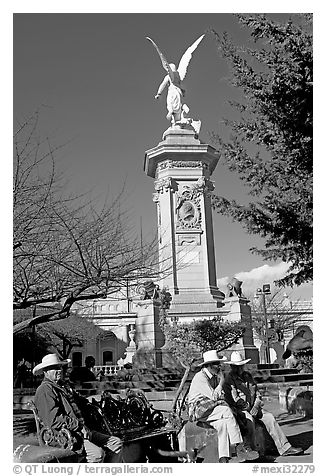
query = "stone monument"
x=181 y=166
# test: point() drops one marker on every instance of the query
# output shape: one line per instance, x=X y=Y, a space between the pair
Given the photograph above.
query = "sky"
x=94 y=77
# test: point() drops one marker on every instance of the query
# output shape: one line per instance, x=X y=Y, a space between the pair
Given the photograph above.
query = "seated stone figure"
x=207 y=406
x=243 y=397
x=59 y=407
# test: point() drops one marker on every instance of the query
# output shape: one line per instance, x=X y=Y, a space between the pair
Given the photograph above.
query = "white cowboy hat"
x=211 y=356
x=237 y=359
x=50 y=360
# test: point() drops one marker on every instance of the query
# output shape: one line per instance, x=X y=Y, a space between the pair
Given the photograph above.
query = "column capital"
x=165 y=184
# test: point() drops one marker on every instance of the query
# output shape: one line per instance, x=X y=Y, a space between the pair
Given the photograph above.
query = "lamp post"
x=262 y=292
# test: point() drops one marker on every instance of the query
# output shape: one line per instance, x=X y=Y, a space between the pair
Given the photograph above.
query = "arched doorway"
x=107 y=349
x=107 y=357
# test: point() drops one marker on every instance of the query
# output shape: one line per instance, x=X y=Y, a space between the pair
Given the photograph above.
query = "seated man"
x=58 y=407
x=242 y=395
x=207 y=404
x=84 y=374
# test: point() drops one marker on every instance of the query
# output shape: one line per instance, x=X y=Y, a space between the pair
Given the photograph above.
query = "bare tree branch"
x=67 y=248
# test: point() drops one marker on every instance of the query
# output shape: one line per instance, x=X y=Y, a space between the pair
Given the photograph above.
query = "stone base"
x=181 y=132
x=156 y=358
x=148 y=358
x=188 y=306
x=129 y=354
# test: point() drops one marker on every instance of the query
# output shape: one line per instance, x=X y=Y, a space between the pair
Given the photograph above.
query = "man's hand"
x=243 y=405
x=219 y=389
x=221 y=403
x=85 y=432
x=114 y=444
x=221 y=377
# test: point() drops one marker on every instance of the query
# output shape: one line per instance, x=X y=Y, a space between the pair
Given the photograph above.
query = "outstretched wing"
x=165 y=63
x=184 y=62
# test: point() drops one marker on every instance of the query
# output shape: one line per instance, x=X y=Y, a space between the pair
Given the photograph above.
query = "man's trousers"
x=228 y=431
x=95 y=452
x=281 y=442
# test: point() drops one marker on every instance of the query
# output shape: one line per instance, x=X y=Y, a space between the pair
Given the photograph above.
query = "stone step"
x=171 y=383
x=157 y=385
x=23 y=391
x=272 y=372
x=283 y=371
x=268 y=366
x=146 y=386
x=264 y=366
x=298 y=377
x=283 y=378
x=23 y=424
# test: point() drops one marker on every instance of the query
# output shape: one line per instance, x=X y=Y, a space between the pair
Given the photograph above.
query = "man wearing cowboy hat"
x=207 y=406
x=242 y=395
x=57 y=408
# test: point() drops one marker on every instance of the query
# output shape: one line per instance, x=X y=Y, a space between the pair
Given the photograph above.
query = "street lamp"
x=262 y=292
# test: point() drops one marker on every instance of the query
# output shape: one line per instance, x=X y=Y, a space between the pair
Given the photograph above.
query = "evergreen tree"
x=270 y=143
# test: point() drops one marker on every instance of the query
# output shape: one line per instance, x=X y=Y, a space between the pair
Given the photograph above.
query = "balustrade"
x=107 y=369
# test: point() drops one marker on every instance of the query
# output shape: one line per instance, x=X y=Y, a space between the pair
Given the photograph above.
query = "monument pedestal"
x=181 y=166
x=240 y=311
x=149 y=335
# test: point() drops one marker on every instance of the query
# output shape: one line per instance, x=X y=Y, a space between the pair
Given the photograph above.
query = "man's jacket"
x=241 y=393
x=56 y=408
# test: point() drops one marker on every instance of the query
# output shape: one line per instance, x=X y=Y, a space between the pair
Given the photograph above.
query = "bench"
x=145 y=433
x=62 y=438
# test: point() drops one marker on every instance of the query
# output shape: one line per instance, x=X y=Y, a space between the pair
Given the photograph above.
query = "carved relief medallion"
x=188 y=210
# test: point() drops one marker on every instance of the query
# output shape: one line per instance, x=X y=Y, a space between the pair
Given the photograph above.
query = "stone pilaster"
x=149 y=335
x=240 y=311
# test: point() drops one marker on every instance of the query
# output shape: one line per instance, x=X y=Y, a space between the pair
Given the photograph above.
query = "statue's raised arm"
x=174 y=101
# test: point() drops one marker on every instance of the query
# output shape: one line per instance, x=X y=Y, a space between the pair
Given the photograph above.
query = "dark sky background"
x=97 y=75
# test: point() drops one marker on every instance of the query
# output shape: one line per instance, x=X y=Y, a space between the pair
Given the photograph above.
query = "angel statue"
x=177 y=110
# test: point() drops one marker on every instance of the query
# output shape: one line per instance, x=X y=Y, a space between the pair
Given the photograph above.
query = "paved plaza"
x=299 y=432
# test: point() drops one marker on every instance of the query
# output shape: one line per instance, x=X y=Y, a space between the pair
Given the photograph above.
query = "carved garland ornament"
x=173 y=164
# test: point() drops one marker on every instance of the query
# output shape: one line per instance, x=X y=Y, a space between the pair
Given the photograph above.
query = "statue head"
x=234 y=287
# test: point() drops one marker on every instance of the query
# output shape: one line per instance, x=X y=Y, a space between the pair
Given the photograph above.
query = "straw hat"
x=50 y=360
x=237 y=359
x=210 y=357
